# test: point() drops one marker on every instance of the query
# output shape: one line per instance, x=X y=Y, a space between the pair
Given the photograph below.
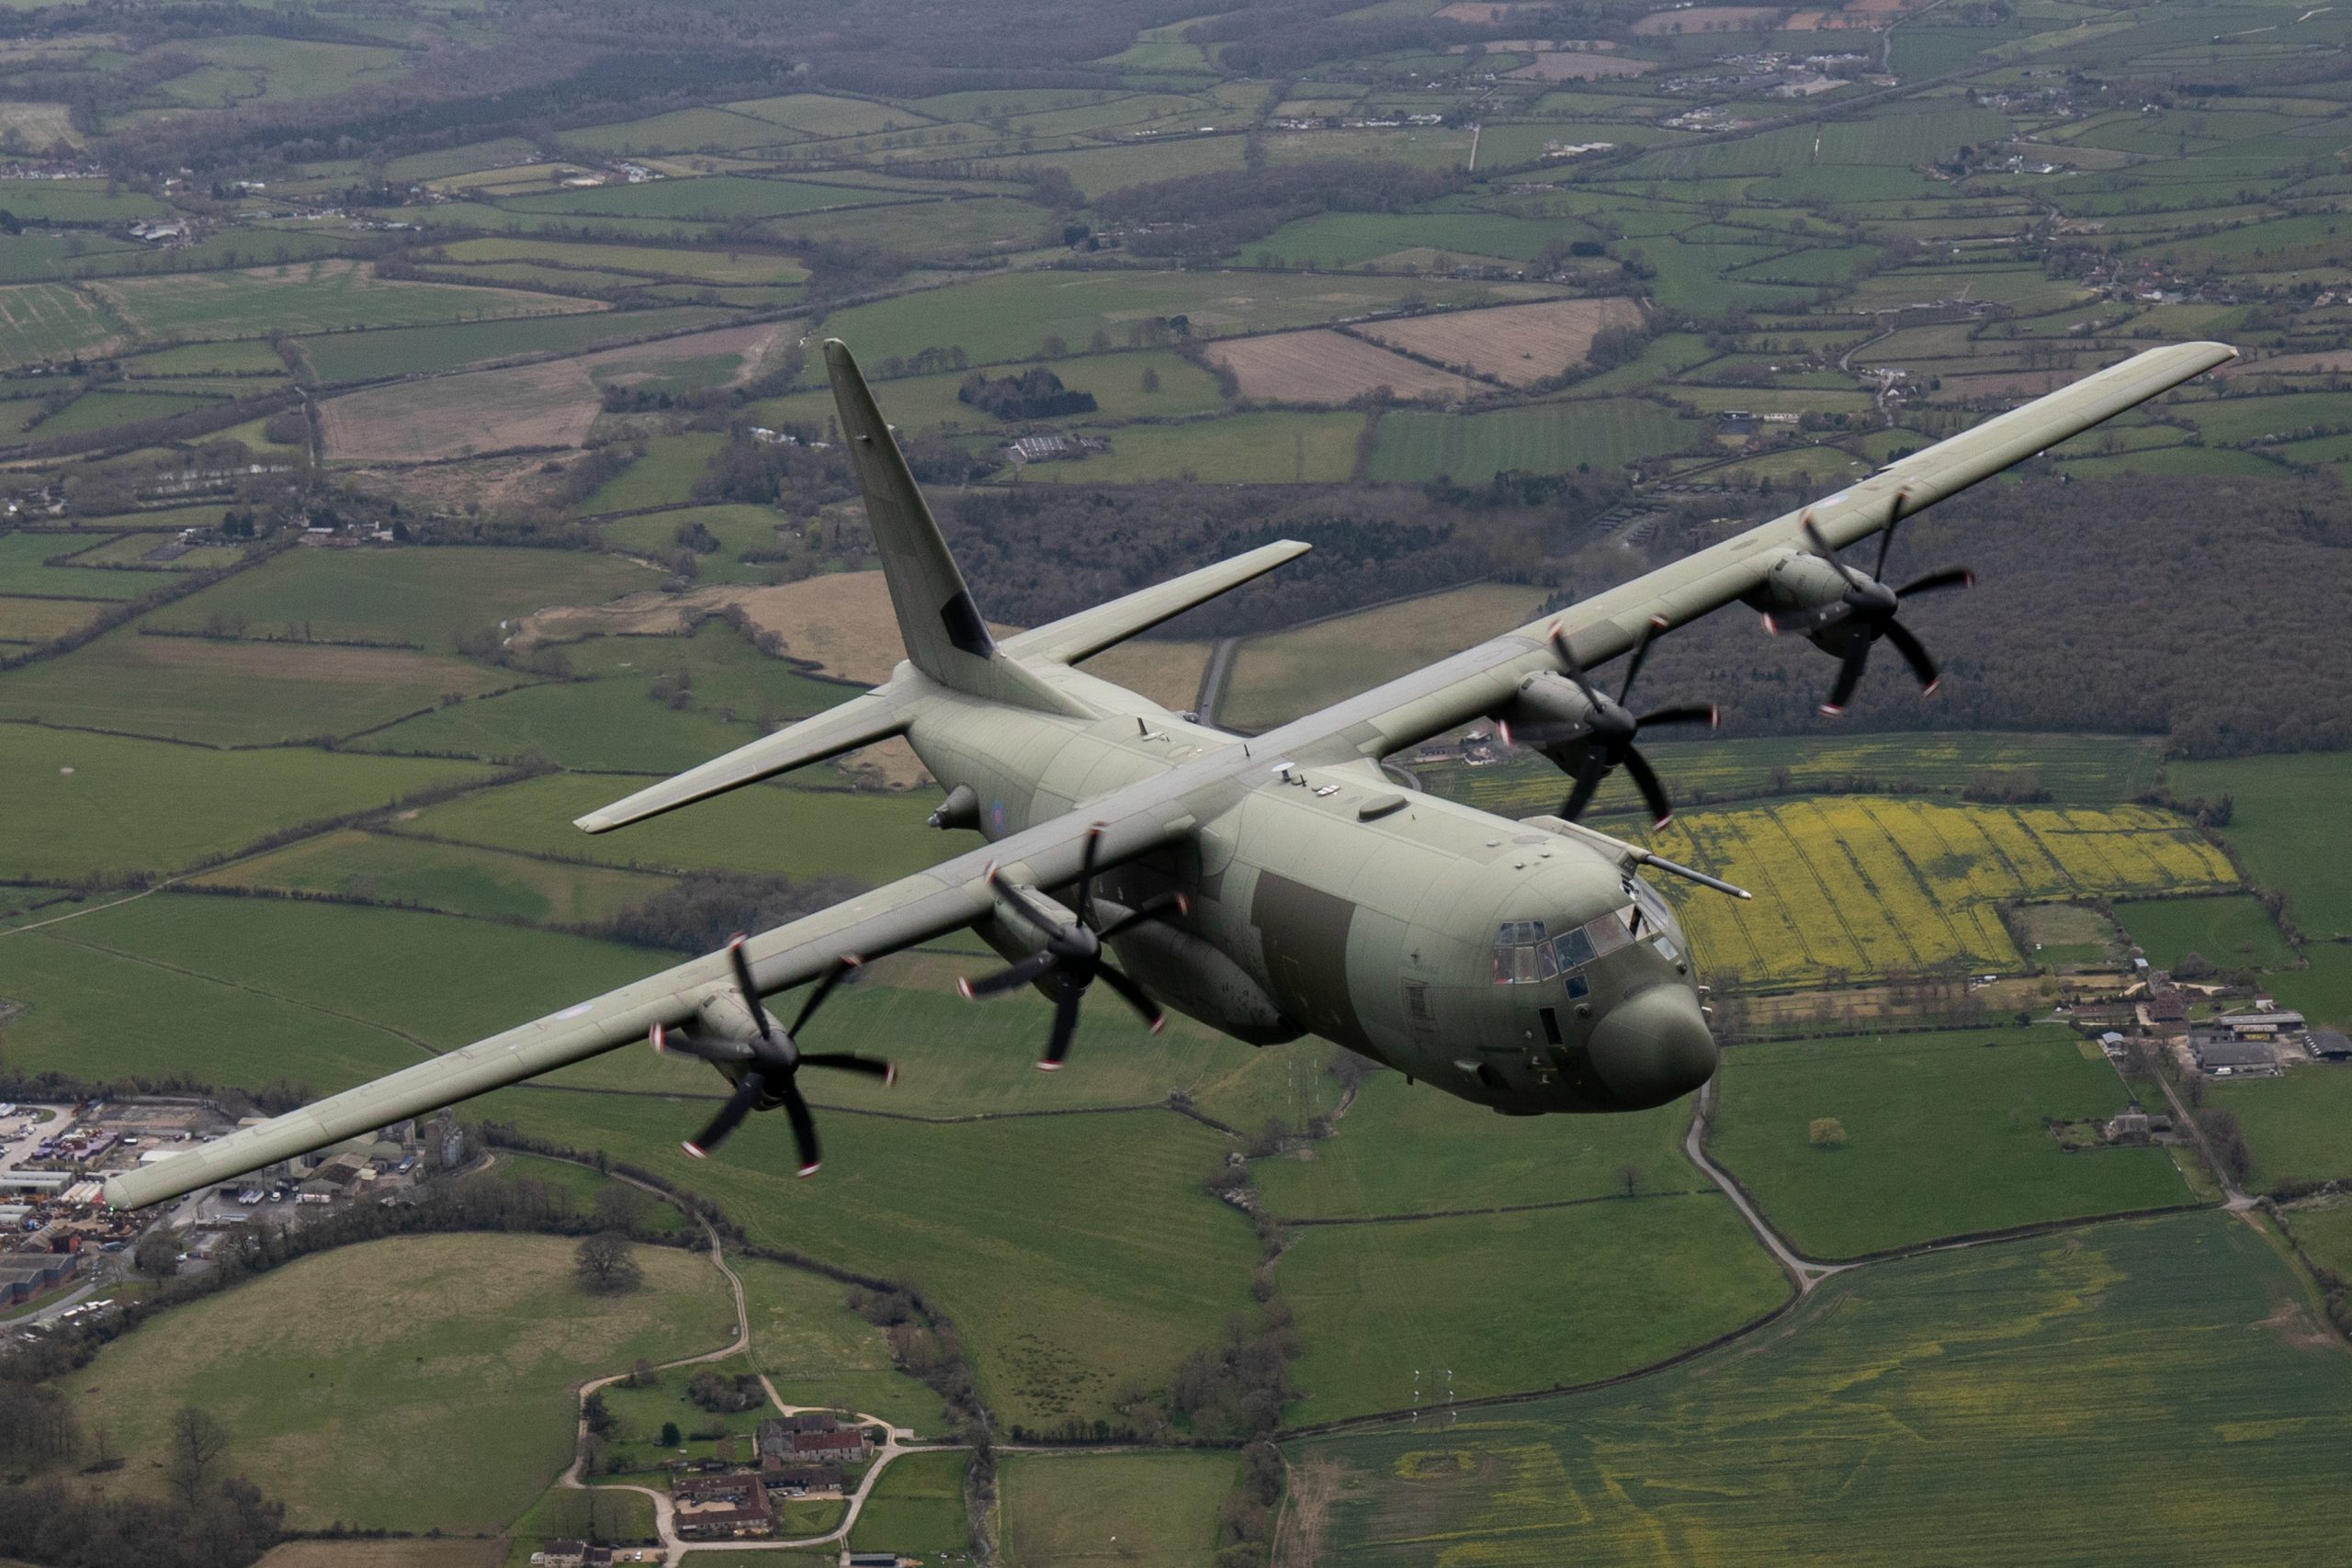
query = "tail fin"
x=946 y=637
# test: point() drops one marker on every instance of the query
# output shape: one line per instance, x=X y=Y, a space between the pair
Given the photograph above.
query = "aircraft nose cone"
x=1654 y=1047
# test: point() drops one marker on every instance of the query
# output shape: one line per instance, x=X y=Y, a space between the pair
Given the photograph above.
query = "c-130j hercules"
x=1271 y=886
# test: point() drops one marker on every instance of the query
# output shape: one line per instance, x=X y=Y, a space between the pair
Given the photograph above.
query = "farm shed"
x=2218 y=1054
x=2331 y=1044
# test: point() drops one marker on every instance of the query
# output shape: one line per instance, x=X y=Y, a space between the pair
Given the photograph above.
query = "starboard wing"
x=915 y=908
x=1480 y=682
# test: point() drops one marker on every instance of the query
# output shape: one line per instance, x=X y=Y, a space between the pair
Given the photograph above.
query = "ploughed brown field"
x=1518 y=344
x=1326 y=366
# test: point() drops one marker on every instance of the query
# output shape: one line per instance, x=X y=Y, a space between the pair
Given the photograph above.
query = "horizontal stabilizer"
x=858 y=721
x=1072 y=637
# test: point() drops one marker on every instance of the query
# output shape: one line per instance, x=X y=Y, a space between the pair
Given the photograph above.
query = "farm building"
x=24 y=1275
x=2331 y=1044
x=812 y=1437
x=784 y=1479
x=718 y=1507
x=2260 y=1025
x=2218 y=1054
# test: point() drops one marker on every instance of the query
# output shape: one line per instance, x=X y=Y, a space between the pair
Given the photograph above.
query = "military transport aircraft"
x=1269 y=886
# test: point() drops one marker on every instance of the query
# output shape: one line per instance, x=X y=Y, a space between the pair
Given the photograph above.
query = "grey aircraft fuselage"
x=1508 y=964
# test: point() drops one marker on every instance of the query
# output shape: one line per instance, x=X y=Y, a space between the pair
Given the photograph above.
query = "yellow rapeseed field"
x=1858 y=887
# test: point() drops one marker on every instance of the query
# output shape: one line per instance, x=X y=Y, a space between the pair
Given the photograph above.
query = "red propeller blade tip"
x=1158 y=1023
x=656 y=1036
x=693 y=1149
x=1662 y=821
x=1503 y=730
x=1049 y=1067
x=890 y=1076
x=1771 y=626
x=1830 y=710
x=1714 y=717
x=964 y=987
x=809 y=1169
x=1931 y=687
x=1661 y=622
x=1183 y=905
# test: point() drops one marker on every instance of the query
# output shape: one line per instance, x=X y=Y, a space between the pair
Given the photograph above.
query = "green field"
x=2235 y=932
x=351 y=1378
x=225 y=694
x=2291 y=829
x=314 y=297
x=917 y=1509
x=1564 y=1296
x=1406 y=1151
x=421 y=598
x=598 y=725
x=2156 y=1392
x=817 y=1351
x=716 y=198
x=1543 y=439
x=380 y=868
x=48 y=320
x=1945 y=1135
x=873 y=836
x=1115 y=380
x=2298 y=1126
x=22 y=570
x=1144 y=1510
x=661 y=477
x=83 y=806
x=415 y=351
x=1242 y=448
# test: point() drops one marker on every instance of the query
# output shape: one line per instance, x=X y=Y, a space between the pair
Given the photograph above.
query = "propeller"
x=1867 y=610
x=1073 y=954
x=1607 y=729
x=774 y=1061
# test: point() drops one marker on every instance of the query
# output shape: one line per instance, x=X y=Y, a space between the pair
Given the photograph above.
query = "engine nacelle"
x=1800 y=580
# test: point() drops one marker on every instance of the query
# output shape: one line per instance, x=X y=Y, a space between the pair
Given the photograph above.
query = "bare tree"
x=607 y=1266
x=1629 y=1177
x=198 y=1440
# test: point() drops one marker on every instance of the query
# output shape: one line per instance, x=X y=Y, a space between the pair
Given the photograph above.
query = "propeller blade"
x=850 y=1061
x=730 y=1115
x=1136 y=997
x=704 y=1048
x=1086 y=875
x=1159 y=907
x=1645 y=780
x=1950 y=577
x=1821 y=547
x=1799 y=621
x=1850 y=675
x=841 y=971
x=1633 y=666
x=743 y=982
x=1915 y=654
x=804 y=1128
x=1011 y=979
x=1066 y=999
x=1683 y=712
x=1589 y=773
x=1576 y=669
x=1885 y=542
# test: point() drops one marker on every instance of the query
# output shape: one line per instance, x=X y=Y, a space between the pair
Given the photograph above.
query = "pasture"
x=34 y=621
x=337 y=358
x=51 y=320
x=1144 y=1510
x=796 y=832
x=83 y=806
x=23 y=569
x=1862 y=886
x=429 y=599
x=917 y=1507
x=653 y=261
x=313 y=297
x=603 y=725
x=1118 y=1280
x=378 y=868
x=661 y=477
x=716 y=197
x=2235 y=932
x=1114 y=380
x=233 y=694
x=353 y=1378
x=1944 y=1135
x=1413 y=447
x=2151 y=1389
x=817 y=1351
x=1242 y=448
x=2289 y=828
x=1567 y=1295
x=1276 y=678
x=2298 y=1126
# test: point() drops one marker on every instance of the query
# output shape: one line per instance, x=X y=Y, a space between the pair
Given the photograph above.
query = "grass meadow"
x=2155 y=1390
x=1142 y=1510
x=83 y=807
x=1604 y=433
x=2298 y=1126
x=916 y=1509
x=1507 y=1302
x=423 y=598
x=1276 y=678
x=338 y=357
x=1944 y=1134
x=2291 y=827
x=600 y=725
x=352 y=1377
x=2234 y=931
x=817 y=1351
x=456 y=879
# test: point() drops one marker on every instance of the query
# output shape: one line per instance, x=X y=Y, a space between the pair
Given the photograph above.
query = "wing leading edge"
x=914 y=909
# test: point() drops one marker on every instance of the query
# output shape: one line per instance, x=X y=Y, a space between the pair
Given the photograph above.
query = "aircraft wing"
x=912 y=909
x=1478 y=683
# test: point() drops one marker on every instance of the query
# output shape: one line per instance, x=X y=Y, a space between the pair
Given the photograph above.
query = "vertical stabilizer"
x=947 y=638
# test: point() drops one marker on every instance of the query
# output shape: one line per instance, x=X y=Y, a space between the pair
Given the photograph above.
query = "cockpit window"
x=1522 y=955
